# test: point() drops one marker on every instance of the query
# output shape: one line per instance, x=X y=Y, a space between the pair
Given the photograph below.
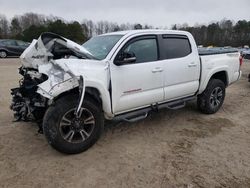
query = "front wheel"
x=68 y=134
x=210 y=101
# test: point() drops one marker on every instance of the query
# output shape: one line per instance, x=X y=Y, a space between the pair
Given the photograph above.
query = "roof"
x=146 y=31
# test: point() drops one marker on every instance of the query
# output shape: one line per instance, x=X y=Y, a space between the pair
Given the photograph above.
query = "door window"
x=145 y=50
x=175 y=47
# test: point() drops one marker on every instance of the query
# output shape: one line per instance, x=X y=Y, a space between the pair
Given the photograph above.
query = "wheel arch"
x=93 y=93
x=221 y=74
x=90 y=91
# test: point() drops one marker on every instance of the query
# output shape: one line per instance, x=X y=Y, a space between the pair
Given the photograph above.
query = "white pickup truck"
x=122 y=76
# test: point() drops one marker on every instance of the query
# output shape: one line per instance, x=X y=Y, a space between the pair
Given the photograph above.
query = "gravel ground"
x=181 y=148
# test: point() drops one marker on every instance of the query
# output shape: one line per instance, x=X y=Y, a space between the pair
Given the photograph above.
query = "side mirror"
x=125 y=58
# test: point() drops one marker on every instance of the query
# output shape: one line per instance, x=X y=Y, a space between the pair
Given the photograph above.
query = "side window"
x=176 y=47
x=9 y=43
x=20 y=43
x=145 y=50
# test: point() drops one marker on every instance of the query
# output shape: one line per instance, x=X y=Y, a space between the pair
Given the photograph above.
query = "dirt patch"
x=181 y=148
x=203 y=128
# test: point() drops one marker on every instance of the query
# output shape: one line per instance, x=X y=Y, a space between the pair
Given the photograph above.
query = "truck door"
x=181 y=66
x=137 y=83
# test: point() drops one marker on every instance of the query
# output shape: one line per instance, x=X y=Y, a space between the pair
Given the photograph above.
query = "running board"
x=143 y=113
x=135 y=119
x=134 y=116
x=176 y=106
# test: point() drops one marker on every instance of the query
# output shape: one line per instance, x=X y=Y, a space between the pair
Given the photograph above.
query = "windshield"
x=100 y=46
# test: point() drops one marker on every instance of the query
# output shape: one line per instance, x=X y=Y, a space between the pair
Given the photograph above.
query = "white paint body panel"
x=182 y=75
x=212 y=64
x=136 y=85
x=95 y=74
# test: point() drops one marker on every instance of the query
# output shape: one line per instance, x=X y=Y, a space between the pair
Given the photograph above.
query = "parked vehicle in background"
x=245 y=53
x=120 y=76
x=10 y=47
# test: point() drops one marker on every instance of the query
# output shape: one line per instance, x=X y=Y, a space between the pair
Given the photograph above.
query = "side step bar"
x=141 y=114
x=176 y=105
x=138 y=118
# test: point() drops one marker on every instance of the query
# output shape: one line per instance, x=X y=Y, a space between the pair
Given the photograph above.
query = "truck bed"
x=213 y=60
x=217 y=50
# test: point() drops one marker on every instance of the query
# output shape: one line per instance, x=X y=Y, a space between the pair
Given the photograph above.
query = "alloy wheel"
x=77 y=130
x=216 y=97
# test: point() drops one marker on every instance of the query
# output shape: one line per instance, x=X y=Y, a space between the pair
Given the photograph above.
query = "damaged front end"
x=43 y=77
x=26 y=103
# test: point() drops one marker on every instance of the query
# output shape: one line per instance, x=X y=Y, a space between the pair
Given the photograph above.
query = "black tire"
x=55 y=127
x=210 y=101
x=3 y=54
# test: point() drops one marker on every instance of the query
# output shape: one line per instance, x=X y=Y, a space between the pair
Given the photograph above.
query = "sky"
x=158 y=13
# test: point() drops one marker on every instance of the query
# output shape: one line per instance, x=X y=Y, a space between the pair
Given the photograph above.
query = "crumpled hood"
x=64 y=62
x=42 y=50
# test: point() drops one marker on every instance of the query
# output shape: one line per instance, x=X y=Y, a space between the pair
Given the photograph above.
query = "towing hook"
x=81 y=96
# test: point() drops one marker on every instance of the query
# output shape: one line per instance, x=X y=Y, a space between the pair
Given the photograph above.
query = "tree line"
x=223 y=33
x=30 y=25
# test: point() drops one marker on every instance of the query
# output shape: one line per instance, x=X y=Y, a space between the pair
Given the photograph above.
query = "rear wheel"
x=69 y=134
x=210 y=101
x=3 y=54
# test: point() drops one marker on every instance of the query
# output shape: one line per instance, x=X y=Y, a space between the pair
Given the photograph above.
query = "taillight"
x=241 y=60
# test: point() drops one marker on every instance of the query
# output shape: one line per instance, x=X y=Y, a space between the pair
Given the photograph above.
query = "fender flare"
x=210 y=74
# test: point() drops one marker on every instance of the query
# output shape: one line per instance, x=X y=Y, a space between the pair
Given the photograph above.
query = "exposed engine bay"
x=38 y=65
x=26 y=103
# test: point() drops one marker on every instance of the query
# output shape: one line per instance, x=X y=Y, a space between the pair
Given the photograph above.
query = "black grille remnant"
x=26 y=103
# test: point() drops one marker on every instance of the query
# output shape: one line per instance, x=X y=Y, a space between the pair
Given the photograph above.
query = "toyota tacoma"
x=71 y=89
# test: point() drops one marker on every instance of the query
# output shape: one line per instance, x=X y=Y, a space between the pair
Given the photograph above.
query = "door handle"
x=157 y=69
x=193 y=64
